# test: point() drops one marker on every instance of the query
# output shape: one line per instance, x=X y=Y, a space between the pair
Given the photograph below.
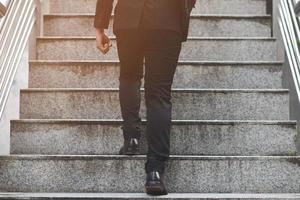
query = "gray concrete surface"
x=196 y=49
x=186 y=174
x=202 y=6
x=101 y=137
x=142 y=196
x=187 y=104
x=210 y=25
x=96 y=74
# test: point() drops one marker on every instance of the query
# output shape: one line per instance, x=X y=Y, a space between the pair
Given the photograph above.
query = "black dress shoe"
x=154 y=184
x=130 y=147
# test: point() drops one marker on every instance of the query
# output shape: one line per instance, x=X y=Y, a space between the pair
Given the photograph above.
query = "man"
x=150 y=30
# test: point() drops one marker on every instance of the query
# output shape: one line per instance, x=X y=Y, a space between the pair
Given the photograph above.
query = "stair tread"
x=174 y=90
x=271 y=122
x=138 y=157
x=94 y=103
x=196 y=48
x=143 y=195
x=207 y=7
x=198 y=137
x=192 y=16
x=189 y=38
x=180 y=62
x=199 y=174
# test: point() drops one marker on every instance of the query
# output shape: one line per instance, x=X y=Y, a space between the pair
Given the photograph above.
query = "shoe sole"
x=155 y=190
x=131 y=153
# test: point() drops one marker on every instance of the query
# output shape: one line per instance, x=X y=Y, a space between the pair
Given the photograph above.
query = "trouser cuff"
x=155 y=165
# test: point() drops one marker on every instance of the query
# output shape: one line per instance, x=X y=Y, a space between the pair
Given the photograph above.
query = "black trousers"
x=160 y=50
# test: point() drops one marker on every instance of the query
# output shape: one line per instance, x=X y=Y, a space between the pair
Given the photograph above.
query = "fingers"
x=104 y=46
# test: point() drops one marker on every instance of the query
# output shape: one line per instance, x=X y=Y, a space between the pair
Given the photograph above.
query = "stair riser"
x=193 y=50
x=206 y=175
x=106 y=139
x=199 y=27
x=105 y=75
x=202 y=6
x=186 y=105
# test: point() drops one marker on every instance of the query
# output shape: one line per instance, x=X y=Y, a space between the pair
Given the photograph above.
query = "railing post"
x=269 y=11
x=269 y=7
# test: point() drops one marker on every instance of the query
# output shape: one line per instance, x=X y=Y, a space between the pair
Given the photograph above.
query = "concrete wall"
x=294 y=101
x=12 y=106
x=20 y=81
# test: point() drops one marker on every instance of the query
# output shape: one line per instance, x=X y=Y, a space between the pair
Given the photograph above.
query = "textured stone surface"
x=202 y=6
x=230 y=38
x=113 y=173
x=200 y=26
x=196 y=49
x=187 y=104
x=95 y=74
x=71 y=6
x=231 y=7
x=72 y=137
x=142 y=196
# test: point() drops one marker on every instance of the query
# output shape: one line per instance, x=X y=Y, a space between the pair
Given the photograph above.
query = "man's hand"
x=102 y=40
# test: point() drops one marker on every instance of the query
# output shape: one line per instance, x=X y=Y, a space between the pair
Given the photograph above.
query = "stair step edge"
x=119 y=121
x=192 y=15
x=174 y=90
x=180 y=62
x=189 y=38
x=11 y=157
x=143 y=195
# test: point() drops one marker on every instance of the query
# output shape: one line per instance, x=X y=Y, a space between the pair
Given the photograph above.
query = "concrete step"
x=200 y=26
x=104 y=137
x=196 y=49
x=184 y=174
x=95 y=74
x=188 y=104
x=142 y=196
x=202 y=7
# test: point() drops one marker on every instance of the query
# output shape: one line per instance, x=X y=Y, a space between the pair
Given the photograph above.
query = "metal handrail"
x=289 y=27
x=15 y=30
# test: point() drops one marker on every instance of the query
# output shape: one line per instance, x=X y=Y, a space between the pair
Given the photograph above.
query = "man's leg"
x=131 y=57
x=162 y=49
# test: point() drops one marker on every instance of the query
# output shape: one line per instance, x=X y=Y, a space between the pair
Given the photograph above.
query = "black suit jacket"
x=128 y=14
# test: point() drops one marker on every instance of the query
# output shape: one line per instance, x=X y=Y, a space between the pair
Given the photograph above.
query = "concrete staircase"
x=231 y=133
